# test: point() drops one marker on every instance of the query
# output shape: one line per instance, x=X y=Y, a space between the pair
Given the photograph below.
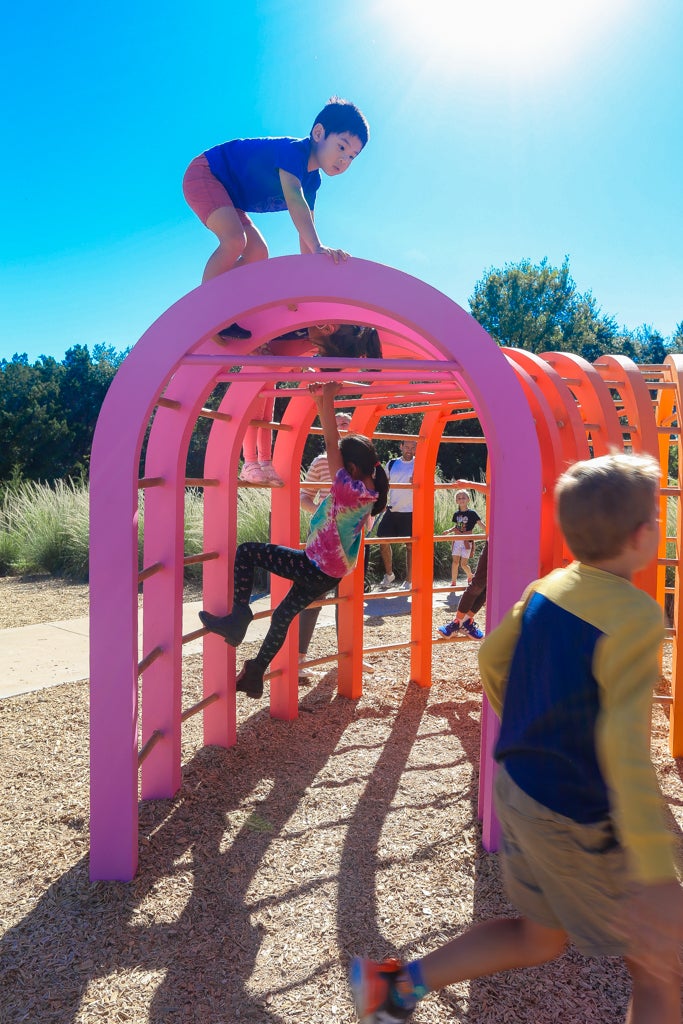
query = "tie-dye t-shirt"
x=337 y=525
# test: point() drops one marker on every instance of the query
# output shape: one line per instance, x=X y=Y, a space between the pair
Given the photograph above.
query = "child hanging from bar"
x=359 y=490
x=348 y=341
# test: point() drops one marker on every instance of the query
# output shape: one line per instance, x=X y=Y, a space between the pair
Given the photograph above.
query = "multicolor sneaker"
x=470 y=627
x=272 y=479
x=450 y=628
x=373 y=991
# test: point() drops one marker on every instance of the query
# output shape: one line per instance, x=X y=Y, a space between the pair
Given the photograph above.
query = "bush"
x=45 y=529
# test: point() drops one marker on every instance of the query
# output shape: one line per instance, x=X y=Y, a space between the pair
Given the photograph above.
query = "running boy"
x=585 y=852
x=266 y=175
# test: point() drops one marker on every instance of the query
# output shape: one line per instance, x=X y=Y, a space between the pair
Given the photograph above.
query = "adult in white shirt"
x=397 y=521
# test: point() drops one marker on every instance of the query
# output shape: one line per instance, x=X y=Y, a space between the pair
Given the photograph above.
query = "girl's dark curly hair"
x=352 y=341
x=359 y=450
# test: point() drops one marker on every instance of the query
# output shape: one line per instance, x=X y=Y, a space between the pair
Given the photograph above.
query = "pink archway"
x=168 y=376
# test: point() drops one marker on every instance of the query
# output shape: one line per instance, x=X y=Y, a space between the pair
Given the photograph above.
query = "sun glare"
x=522 y=37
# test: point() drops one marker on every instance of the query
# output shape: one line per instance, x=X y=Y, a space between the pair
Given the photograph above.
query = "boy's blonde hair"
x=601 y=502
x=461 y=491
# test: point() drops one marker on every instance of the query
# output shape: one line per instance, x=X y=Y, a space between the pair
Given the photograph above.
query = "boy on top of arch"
x=231 y=180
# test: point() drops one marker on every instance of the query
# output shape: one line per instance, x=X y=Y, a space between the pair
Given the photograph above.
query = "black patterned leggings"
x=308 y=583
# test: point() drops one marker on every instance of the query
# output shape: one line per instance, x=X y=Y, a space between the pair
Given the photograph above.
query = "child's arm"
x=324 y=396
x=302 y=216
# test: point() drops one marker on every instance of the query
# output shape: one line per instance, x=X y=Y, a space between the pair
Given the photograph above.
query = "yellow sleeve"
x=495 y=653
x=626 y=667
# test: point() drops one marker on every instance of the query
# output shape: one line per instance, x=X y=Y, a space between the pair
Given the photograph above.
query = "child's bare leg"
x=465 y=566
x=238 y=243
x=491 y=947
x=654 y=1000
x=455 y=562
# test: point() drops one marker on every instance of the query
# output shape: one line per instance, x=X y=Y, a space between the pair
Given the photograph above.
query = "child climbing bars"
x=359 y=490
x=266 y=175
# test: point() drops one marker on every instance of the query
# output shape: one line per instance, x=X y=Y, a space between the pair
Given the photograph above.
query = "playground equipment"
x=537 y=413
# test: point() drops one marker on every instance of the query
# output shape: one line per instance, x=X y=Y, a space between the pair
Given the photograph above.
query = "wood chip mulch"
x=352 y=830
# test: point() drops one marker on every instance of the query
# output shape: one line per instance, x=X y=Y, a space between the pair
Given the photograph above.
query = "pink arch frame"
x=177 y=358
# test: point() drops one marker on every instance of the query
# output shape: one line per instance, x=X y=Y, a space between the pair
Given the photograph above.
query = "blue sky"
x=495 y=138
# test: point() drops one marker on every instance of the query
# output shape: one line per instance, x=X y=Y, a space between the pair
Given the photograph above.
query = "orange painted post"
x=675 y=364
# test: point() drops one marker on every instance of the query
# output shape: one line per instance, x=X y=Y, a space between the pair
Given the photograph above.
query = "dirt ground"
x=352 y=830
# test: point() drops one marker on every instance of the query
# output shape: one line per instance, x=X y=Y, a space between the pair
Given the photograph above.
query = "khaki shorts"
x=562 y=874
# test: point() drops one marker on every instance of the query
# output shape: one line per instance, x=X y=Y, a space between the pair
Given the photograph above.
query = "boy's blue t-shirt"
x=249 y=171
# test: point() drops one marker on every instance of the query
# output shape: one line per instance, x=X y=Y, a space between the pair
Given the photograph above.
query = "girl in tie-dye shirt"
x=359 y=490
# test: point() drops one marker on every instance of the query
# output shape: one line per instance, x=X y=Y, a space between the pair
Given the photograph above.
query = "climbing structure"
x=537 y=413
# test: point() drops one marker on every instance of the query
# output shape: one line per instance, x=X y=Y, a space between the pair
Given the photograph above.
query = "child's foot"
x=234 y=333
x=272 y=479
x=231 y=627
x=387 y=580
x=250 y=680
x=472 y=629
x=373 y=992
x=450 y=628
x=252 y=473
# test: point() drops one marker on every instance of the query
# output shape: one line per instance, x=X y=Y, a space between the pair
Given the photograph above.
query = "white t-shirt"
x=401 y=472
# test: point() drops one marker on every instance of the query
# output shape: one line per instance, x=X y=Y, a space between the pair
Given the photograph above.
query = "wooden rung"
x=313 y=662
x=449 y=439
x=669 y=430
x=205 y=556
x=199 y=706
x=194 y=635
x=592 y=426
x=151 y=570
x=388 y=540
x=151 y=481
x=663 y=698
x=149 y=745
x=150 y=659
x=191 y=481
x=214 y=414
x=670 y=492
x=669 y=561
x=170 y=403
x=389 y=647
x=269 y=425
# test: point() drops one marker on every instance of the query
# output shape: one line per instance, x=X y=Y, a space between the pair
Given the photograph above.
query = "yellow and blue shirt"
x=571 y=670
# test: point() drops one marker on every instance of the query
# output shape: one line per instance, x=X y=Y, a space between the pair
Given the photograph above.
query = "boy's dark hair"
x=339 y=116
x=359 y=450
x=601 y=502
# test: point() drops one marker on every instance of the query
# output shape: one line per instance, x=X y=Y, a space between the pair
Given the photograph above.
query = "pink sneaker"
x=253 y=474
x=272 y=479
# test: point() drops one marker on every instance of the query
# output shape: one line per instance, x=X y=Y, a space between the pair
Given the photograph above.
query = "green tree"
x=538 y=308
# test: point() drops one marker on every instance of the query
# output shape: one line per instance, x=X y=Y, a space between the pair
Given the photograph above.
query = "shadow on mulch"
x=80 y=931
x=197 y=965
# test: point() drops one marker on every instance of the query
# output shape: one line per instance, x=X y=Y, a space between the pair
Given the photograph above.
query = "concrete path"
x=35 y=657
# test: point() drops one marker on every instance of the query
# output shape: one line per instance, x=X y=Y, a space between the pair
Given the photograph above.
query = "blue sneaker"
x=371 y=985
x=472 y=629
x=450 y=628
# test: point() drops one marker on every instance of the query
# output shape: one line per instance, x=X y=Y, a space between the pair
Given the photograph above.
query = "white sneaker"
x=271 y=476
x=387 y=579
x=253 y=474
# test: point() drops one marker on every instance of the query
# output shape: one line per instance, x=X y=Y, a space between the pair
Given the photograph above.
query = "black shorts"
x=395 y=524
